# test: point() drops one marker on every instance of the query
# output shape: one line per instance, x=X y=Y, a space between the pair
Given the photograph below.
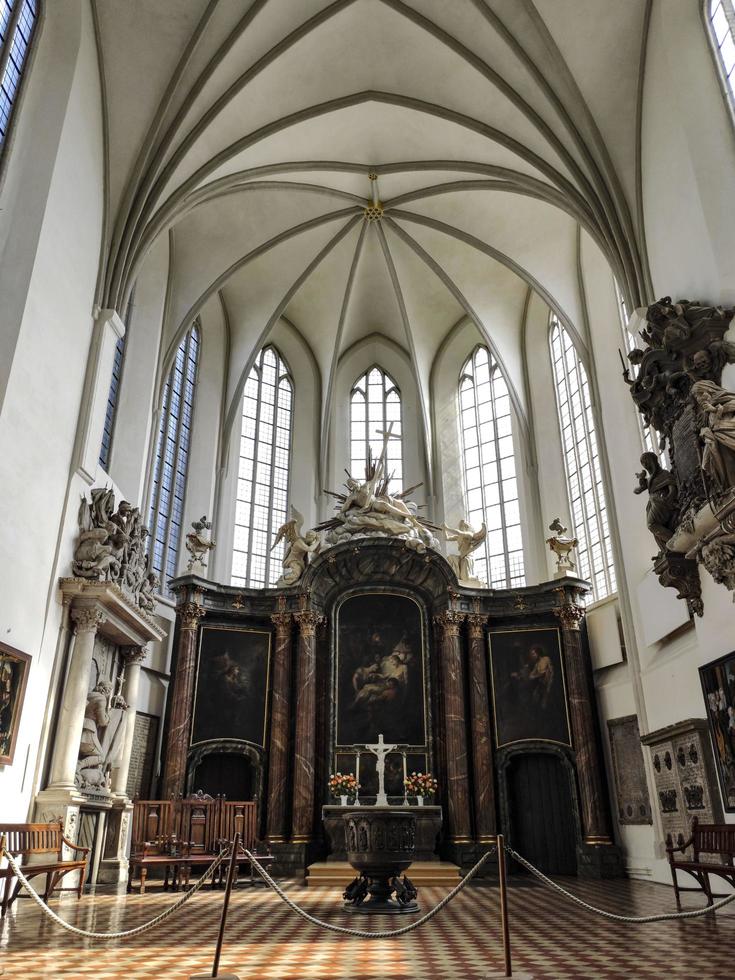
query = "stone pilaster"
x=177 y=744
x=449 y=624
x=280 y=723
x=86 y=620
x=305 y=735
x=482 y=743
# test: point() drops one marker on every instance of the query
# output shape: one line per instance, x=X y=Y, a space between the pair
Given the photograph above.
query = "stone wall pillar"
x=482 y=743
x=74 y=702
x=177 y=743
x=279 y=734
x=590 y=766
x=453 y=707
x=305 y=736
x=133 y=657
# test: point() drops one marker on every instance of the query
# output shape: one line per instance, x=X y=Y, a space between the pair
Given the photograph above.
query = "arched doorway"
x=226 y=774
x=541 y=811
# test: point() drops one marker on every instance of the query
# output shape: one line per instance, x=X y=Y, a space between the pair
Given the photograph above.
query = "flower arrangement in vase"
x=422 y=785
x=343 y=786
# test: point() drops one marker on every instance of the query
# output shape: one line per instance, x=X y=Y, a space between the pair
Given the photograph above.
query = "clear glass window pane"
x=375 y=405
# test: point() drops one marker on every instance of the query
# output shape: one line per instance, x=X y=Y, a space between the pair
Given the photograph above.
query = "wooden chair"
x=707 y=838
x=38 y=842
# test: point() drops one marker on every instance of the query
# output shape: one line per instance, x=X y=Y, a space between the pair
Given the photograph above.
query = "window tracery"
x=583 y=471
x=18 y=19
x=489 y=467
x=263 y=478
x=720 y=20
x=172 y=457
x=375 y=403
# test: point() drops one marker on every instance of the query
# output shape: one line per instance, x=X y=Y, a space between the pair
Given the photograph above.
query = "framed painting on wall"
x=718 y=686
x=231 y=685
x=14 y=667
x=529 y=694
x=380 y=671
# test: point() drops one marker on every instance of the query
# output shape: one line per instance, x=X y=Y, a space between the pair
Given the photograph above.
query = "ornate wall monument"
x=350 y=660
x=108 y=608
x=675 y=384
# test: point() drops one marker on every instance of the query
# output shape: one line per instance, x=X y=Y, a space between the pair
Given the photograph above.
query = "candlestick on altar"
x=357 y=778
x=405 y=776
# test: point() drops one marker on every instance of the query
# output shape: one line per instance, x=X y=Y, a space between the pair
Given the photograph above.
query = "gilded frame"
x=16 y=696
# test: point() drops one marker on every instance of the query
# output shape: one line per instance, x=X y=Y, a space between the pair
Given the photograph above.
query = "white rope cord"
x=362 y=933
x=113 y=935
x=635 y=919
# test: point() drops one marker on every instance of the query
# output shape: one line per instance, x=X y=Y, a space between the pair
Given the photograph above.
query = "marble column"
x=305 y=735
x=280 y=724
x=177 y=743
x=590 y=766
x=74 y=702
x=133 y=658
x=482 y=744
x=458 y=799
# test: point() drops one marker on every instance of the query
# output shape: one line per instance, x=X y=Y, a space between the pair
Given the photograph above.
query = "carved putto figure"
x=199 y=544
x=562 y=546
x=112 y=545
x=717 y=407
x=663 y=499
x=467 y=540
x=299 y=548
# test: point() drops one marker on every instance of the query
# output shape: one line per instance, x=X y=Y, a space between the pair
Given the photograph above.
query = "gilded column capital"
x=569 y=615
x=282 y=621
x=308 y=621
x=134 y=654
x=476 y=623
x=189 y=614
x=450 y=621
x=87 y=618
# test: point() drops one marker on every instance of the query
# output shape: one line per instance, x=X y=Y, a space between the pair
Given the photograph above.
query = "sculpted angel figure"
x=467 y=540
x=298 y=548
x=717 y=406
x=199 y=543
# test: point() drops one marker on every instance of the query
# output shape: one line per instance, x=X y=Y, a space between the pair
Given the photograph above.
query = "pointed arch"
x=375 y=404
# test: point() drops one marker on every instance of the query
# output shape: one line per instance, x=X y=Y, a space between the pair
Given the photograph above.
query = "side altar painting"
x=529 y=696
x=380 y=671
x=14 y=667
x=718 y=685
x=232 y=685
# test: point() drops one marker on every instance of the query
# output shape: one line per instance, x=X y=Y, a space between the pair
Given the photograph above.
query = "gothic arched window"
x=18 y=19
x=262 y=486
x=172 y=457
x=582 y=464
x=489 y=467
x=720 y=19
x=375 y=403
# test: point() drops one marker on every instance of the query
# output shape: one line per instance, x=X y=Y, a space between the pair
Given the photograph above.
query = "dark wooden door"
x=541 y=813
x=225 y=774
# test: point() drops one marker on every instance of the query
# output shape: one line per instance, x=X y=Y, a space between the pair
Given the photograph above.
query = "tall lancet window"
x=17 y=26
x=262 y=486
x=582 y=464
x=720 y=18
x=489 y=468
x=172 y=457
x=375 y=404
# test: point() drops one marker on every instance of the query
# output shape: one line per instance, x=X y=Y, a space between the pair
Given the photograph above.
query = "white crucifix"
x=381 y=750
x=387 y=435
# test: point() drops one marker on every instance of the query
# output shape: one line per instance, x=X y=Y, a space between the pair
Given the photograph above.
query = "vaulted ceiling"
x=364 y=166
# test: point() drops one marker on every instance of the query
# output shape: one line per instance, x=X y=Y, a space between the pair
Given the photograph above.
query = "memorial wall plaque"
x=631 y=788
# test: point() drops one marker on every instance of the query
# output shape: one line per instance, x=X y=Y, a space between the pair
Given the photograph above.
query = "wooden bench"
x=707 y=838
x=27 y=840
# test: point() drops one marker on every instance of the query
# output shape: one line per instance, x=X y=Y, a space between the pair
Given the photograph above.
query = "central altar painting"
x=380 y=683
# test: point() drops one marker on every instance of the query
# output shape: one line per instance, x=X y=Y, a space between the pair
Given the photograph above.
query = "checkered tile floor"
x=265 y=940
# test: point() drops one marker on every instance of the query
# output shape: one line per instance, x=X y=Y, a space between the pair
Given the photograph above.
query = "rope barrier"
x=114 y=935
x=632 y=919
x=363 y=933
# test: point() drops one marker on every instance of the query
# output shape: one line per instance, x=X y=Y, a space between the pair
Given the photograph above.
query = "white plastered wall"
x=54 y=262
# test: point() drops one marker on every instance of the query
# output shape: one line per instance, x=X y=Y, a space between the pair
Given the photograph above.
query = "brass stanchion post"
x=223 y=919
x=503 y=888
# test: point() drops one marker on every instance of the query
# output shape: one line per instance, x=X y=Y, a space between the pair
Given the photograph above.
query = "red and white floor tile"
x=265 y=940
